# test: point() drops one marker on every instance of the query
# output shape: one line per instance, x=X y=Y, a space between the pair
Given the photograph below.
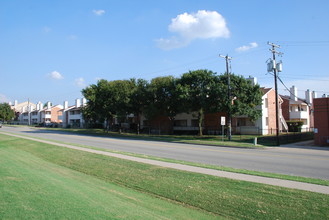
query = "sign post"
x=222 y=123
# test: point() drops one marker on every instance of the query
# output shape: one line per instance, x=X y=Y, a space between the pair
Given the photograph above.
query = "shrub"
x=295 y=126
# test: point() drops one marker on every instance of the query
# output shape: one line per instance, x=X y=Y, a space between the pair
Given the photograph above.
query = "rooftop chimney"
x=253 y=80
x=84 y=101
x=48 y=105
x=308 y=96
x=314 y=95
x=66 y=104
x=77 y=103
x=293 y=93
x=15 y=102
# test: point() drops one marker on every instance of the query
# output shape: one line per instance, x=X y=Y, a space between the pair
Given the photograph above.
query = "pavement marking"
x=237 y=176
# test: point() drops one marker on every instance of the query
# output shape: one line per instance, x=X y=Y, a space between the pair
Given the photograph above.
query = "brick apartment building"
x=321 y=121
x=298 y=109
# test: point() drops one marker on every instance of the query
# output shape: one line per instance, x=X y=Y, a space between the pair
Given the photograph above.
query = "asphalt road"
x=294 y=160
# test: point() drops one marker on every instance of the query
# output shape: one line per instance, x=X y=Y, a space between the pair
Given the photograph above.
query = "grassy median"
x=39 y=180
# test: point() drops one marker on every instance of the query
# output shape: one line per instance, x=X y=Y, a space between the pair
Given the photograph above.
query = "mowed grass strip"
x=228 y=169
x=225 y=197
x=33 y=188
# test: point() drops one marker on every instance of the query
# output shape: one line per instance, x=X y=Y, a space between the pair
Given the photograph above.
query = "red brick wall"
x=321 y=121
x=271 y=112
x=55 y=112
x=163 y=123
x=285 y=109
x=212 y=120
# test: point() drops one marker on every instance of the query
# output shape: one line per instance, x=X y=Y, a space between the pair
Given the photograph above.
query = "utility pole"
x=229 y=116
x=274 y=67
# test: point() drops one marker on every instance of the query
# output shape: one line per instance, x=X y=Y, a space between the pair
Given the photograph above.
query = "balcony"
x=47 y=116
x=299 y=115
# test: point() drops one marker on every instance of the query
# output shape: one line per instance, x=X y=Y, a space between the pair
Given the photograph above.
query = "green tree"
x=140 y=98
x=167 y=96
x=91 y=111
x=108 y=99
x=120 y=92
x=244 y=99
x=204 y=93
x=6 y=113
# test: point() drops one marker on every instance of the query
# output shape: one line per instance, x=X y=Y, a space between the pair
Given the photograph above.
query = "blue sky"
x=51 y=50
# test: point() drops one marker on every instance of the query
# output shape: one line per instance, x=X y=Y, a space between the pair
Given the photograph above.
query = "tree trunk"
x=172 y=122
x=200 y=118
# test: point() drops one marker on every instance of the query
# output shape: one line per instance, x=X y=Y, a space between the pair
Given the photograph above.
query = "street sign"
x=222 y=120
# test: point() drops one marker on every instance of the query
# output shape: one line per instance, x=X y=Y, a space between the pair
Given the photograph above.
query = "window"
x=266 y=102
x=195 y=123
x=180 y=123
x=241 y=122
x=266 y=121
x=146 y=123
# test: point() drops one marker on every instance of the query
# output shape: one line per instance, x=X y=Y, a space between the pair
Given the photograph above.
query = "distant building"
x=22 y=111
x=51 y=114
x=297 y=109
x=266 y=124
x=72 y=115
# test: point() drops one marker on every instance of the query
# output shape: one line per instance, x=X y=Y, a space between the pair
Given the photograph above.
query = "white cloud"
x=201 y=25
x=171 y=43
x=55 y=75
x=80 y=82
x=247 y=47
x=73 y=37
x=46 y=29
x=99 y=12
x=4 y=98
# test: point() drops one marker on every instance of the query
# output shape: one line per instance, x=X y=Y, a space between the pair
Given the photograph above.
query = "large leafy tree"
x=107 y=99
x=140 y=98
x=91 y=112
x=244 y=97
x=166 y=97
x=6 y=113
x=120 y=92
x=205 y=92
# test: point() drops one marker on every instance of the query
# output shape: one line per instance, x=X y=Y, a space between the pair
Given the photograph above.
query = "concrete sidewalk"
x=230 y=175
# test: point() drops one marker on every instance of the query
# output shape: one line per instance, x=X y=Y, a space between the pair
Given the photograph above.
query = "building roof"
x=75 y=108
x=68 y=108
x=19 y=107
x=292 y=101
x=265 y=90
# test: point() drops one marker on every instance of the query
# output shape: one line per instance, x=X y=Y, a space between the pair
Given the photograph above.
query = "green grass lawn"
x=36 y=177
x=34 y=188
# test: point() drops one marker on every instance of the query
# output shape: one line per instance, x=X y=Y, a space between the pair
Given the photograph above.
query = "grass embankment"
x=224 y=197
x=34 y=188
